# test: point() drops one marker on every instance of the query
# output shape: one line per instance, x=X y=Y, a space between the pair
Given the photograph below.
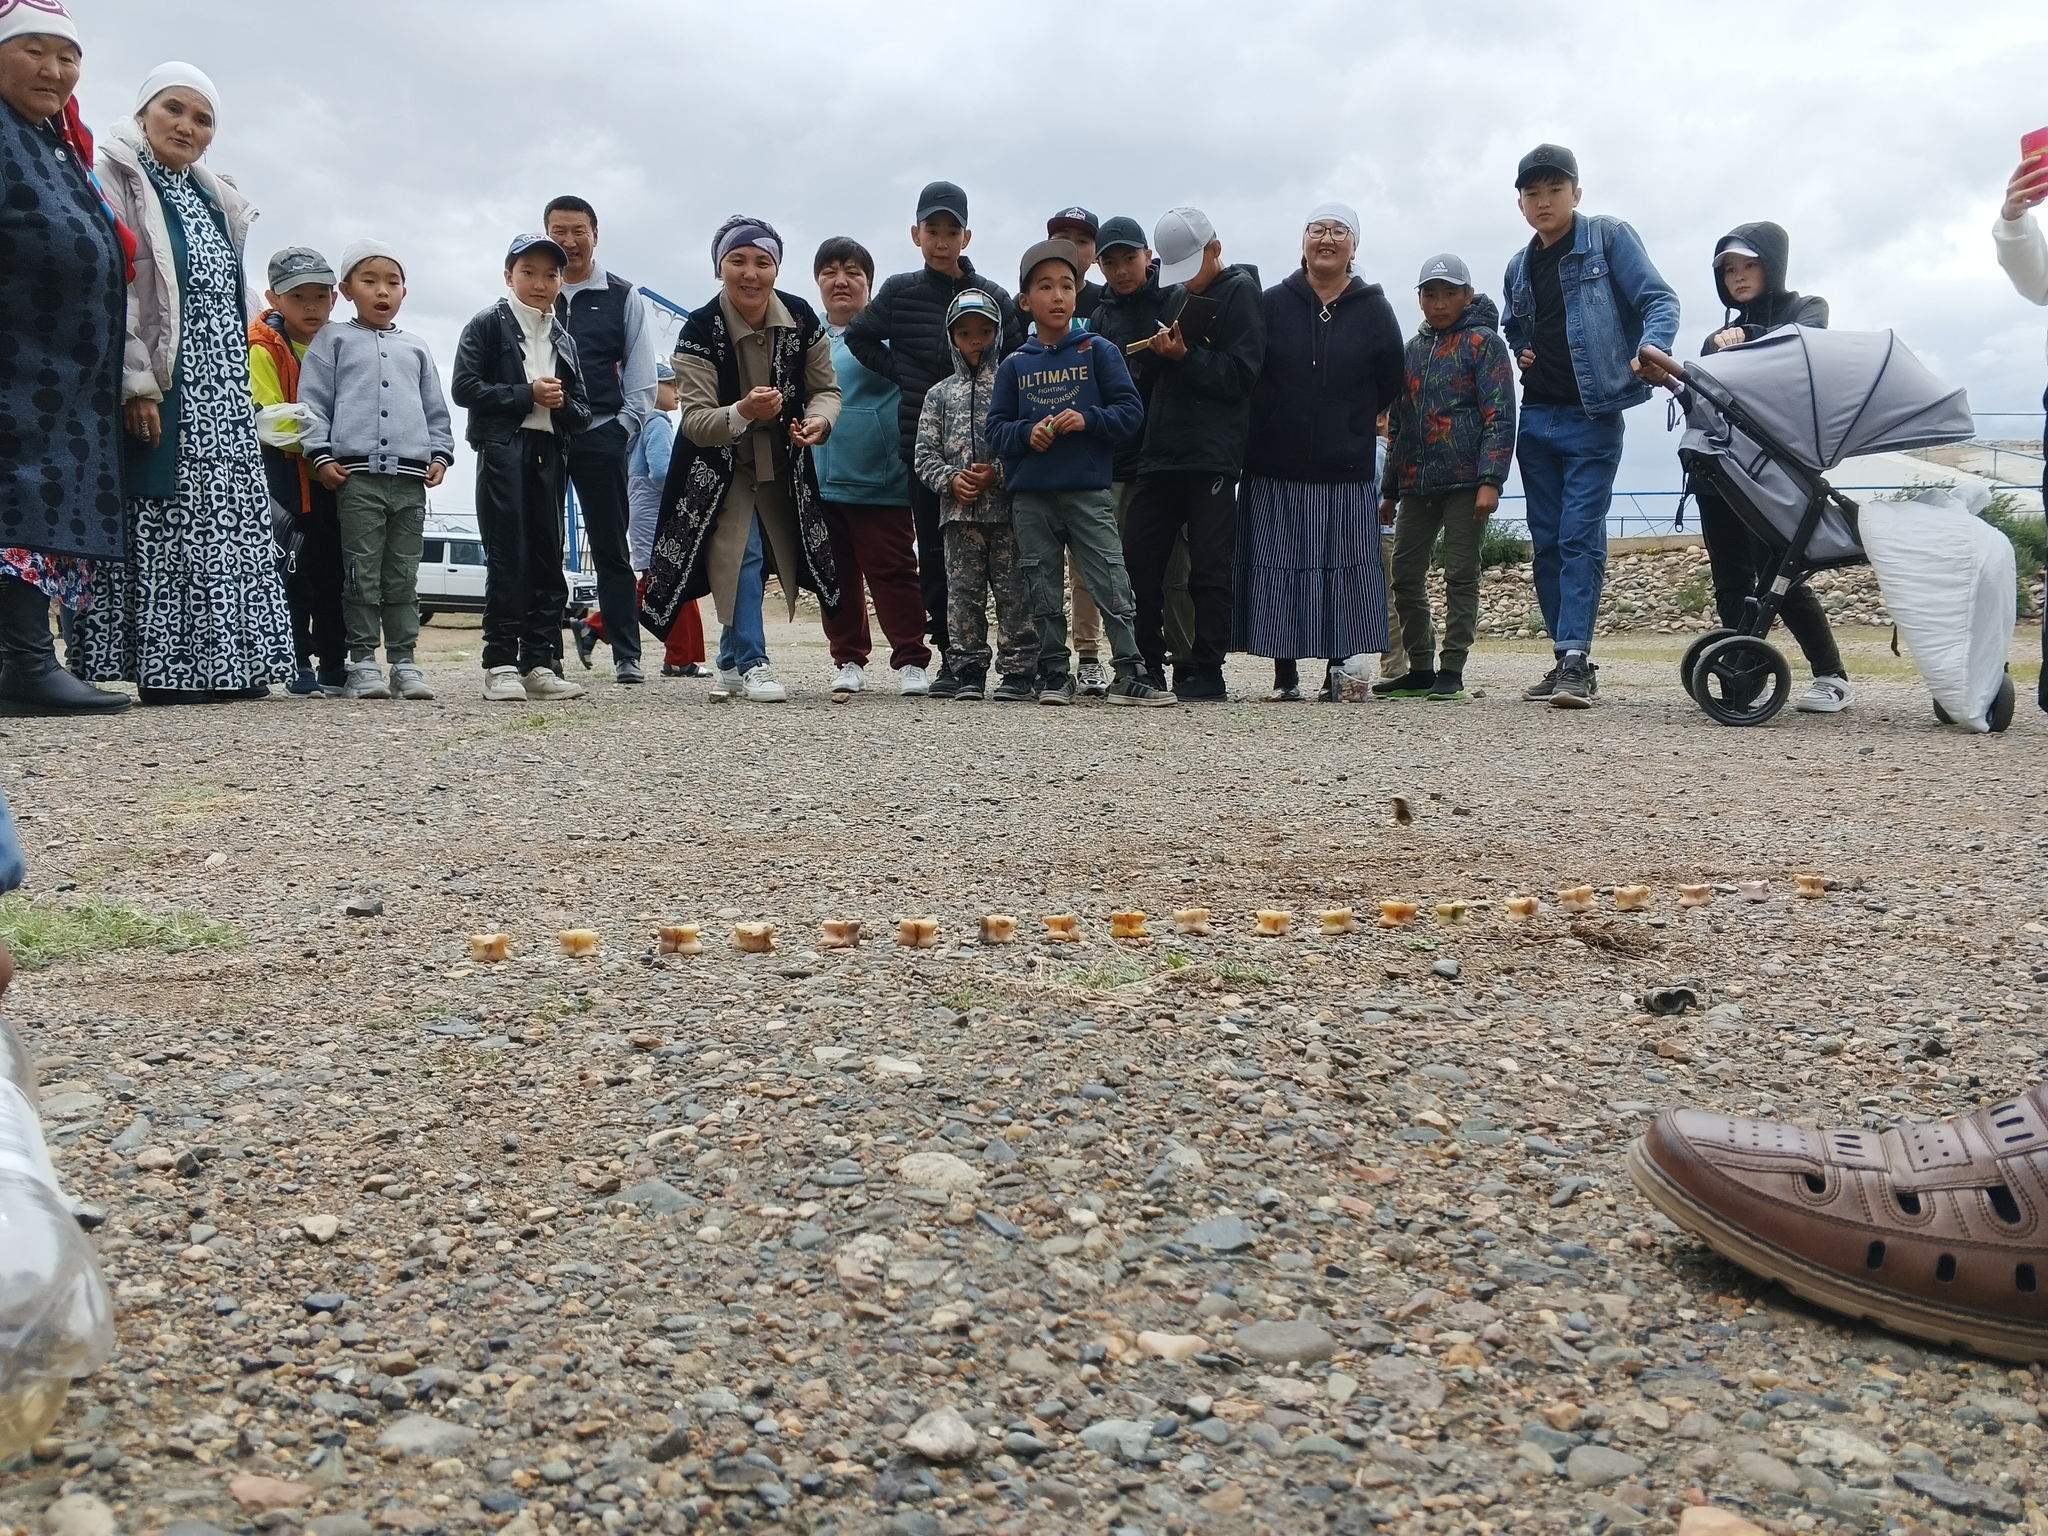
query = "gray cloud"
x=1879 y=134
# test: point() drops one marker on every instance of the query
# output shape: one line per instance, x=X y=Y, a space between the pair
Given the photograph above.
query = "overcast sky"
x=1881 y=134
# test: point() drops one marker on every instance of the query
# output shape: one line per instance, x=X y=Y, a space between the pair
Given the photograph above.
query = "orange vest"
x=279 y=346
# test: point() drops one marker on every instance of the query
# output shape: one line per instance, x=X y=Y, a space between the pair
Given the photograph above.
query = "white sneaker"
x=913 y=682
x=1826 y=696
x=502 y=686
x=762 y=687
x=541 y=685
x=725 y=682
x=365 y=681
x=409 y=682
x=852 y=679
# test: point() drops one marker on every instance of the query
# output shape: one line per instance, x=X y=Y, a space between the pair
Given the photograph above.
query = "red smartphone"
x=2035 y=143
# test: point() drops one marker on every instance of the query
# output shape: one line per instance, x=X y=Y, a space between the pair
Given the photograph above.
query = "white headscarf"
x=1342 y=213
x=22 y=18
x=166 y=76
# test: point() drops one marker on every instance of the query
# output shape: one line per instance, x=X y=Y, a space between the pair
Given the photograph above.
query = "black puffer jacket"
x=1316 y=411
x=1778 y=305
x=1201 y=408
x=1124 y=319
x=902 y=336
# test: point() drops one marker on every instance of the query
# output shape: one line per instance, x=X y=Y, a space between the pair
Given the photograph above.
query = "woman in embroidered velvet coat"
x=754 y=367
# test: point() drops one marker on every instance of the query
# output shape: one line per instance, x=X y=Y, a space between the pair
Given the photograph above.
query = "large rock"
x=1766 y=1471
x=942 y=1171
x=1280 y=1343
x=1706 y=1520
x=421 y=1434
x=657 y=1196
x=266 y=1493
x=943 y=1436
x=1595 y=1466
x=1224 y=1234
x=79 y=1514
x=1406 y=1380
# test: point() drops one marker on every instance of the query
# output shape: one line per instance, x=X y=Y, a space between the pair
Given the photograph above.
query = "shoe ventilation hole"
x=2002 y=1202
x=2023 y=1277
x=1945 y=1268
x=1816 y=1183
x=1908 y=1201
x=1874 y=1259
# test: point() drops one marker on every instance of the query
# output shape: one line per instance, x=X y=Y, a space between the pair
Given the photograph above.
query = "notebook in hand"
x=1195 y=313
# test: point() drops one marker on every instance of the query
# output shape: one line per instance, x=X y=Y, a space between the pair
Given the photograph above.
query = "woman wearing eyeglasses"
x=1309 y=576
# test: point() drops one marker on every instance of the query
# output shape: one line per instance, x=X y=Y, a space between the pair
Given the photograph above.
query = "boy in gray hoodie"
x=379 y=436
x=952 y=456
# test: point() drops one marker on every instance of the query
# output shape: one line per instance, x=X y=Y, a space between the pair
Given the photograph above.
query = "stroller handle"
x=1661 y=368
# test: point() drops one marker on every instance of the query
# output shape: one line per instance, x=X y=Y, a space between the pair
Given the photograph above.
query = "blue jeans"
x=1568 y=460
x=743 y=644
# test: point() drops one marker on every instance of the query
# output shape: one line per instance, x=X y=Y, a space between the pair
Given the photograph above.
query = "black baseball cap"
x=1120 y=231
x=942 y=197
x=1073 y=218
x=1545 y=161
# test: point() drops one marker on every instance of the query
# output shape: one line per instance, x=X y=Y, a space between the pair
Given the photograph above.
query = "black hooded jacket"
x=1200 y=412
x=1777 y=305
x=902 y=336
x=1123 y=319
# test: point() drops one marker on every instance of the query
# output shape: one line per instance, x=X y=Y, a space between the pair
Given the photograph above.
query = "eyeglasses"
x=1329 y=231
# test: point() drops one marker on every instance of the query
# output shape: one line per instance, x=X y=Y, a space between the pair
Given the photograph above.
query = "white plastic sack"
x=280 y=426
x=1949 y=580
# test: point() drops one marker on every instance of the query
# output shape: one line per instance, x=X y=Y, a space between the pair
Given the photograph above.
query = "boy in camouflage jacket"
x=953 y=457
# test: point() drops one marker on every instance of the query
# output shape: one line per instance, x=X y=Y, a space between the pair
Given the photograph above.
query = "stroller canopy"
x=1831 y=395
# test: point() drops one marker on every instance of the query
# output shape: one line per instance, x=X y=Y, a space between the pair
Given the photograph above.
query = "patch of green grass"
x=1246 y=974
x=1500 y=546
x=41 y=933
x=1108 y=976
x=1176 y=961
x=1695 y=592
x=968 y=997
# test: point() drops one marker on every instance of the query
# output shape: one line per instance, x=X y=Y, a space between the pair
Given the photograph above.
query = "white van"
x=452 y=570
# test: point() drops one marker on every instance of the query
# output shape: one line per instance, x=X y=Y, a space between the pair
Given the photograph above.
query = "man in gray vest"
x=608 y=320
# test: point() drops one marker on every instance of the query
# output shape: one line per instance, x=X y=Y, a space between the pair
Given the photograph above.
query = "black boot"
x=31 y=682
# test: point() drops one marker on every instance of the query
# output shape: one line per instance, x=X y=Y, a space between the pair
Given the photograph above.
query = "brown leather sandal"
x=1939 y=1231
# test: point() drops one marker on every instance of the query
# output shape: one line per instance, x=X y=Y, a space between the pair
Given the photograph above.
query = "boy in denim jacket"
x=1583 y=299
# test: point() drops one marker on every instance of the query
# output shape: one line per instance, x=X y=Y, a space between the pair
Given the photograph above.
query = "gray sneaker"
x=1539 y=692
x=1092 y=680
x=1578 y=684
x=409 y=682
x=365 y=681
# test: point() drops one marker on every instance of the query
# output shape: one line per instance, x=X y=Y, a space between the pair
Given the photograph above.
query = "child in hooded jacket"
x=953 y=458
x=1749 y=274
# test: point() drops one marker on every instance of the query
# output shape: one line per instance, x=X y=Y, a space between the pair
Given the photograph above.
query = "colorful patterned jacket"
x=1454 y=427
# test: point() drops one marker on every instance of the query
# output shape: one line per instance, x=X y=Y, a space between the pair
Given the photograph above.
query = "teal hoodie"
x=862 y=462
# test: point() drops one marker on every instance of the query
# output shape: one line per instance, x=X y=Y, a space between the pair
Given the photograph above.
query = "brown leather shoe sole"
x=1957 y=1328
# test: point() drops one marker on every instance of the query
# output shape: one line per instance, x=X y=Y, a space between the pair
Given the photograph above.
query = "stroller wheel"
x=1742 y=680
x=2000 y=715
x=1692 y=658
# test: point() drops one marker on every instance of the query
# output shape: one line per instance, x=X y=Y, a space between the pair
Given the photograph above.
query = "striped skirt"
x=1309 y=579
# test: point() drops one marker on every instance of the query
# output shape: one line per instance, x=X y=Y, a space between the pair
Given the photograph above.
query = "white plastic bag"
x=56 y=1319
x=1949 y=580
x=281 y=425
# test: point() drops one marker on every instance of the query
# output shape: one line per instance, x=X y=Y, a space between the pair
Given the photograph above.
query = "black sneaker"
x=586 y=642
x=1200 y=685
x=971 y=684
x=1016 y=688
x=944 y=685
x=1409 y=685
x=1131 y=689
x=1056 y=688
x=1577 y=684
x=303 y=682
x=1449 y=688
x=333 y=678
x=1539 y=692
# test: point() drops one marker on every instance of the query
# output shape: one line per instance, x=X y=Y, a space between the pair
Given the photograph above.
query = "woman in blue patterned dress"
x=196 y=613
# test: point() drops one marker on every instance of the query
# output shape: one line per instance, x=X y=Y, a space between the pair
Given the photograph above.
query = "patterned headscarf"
x=740 y=231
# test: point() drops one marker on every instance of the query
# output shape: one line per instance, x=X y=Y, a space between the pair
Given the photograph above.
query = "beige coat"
x=149 y=365
x=760 y=482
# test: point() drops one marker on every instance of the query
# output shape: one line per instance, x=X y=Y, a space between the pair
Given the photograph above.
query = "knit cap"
x=24 y=18
x=356 y=252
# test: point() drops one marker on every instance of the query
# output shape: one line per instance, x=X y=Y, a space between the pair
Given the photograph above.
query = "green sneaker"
x=1411 y=685
x=1449 y=688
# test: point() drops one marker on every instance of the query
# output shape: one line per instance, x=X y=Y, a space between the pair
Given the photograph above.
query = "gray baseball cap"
x=297 y=266
x=1178 y=240
x=1445 y=269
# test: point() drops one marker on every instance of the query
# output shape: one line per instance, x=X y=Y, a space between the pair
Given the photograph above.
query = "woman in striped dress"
x=1309 y=579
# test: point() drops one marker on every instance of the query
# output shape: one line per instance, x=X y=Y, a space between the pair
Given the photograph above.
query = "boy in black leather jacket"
x=516 y=373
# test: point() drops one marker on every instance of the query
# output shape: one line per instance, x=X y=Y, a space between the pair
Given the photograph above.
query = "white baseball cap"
x=1178 y=240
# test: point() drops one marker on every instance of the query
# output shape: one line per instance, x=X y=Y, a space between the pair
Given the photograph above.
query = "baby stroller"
x=1764 y=423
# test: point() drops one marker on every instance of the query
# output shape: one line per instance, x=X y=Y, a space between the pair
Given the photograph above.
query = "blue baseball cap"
x=521 y=244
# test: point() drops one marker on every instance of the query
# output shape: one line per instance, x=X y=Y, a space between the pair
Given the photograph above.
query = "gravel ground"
x=1211 y=1234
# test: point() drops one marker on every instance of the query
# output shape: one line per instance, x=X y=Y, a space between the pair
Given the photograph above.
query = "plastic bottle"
x=56 y=1319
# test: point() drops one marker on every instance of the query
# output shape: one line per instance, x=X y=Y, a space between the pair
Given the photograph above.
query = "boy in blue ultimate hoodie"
x=953 y=458
x=1063 y=404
